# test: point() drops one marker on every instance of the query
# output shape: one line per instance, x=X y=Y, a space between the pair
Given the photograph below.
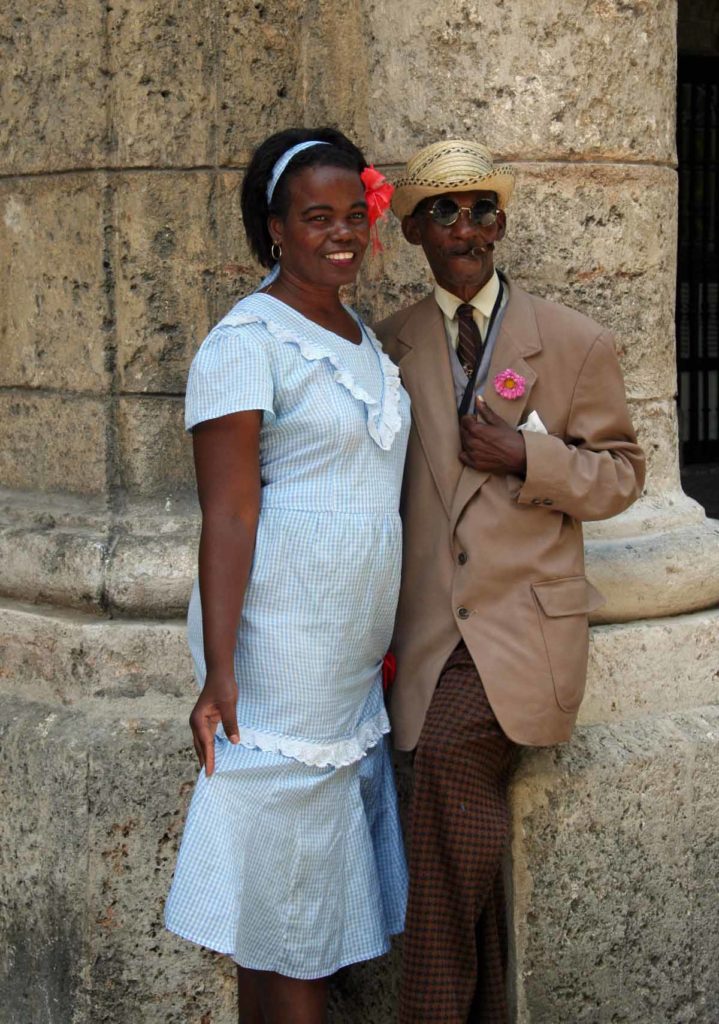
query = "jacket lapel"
x=517 y=342
x=427 y=375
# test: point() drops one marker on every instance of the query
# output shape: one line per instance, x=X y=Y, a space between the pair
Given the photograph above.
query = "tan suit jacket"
x=496 y=560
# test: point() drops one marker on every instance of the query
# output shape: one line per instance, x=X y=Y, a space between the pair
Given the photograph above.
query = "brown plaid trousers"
x=455 y=943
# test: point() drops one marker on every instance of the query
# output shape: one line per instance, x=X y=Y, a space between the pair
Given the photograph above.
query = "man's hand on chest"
x=491 y=445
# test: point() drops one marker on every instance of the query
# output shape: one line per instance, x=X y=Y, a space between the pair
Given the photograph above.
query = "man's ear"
x=501 y=225
x=410 y=230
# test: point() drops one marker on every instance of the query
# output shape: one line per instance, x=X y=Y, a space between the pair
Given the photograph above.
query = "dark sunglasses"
x=446 y=211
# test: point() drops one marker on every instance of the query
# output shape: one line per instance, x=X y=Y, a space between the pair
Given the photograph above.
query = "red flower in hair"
x=378 y=193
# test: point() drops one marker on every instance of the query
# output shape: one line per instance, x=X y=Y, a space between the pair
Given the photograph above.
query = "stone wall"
x=124 y=129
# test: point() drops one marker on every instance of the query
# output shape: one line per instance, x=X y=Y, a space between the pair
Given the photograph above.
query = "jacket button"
x=536 y=501
x=463 y=613
x=462 y=557
x=547 y=501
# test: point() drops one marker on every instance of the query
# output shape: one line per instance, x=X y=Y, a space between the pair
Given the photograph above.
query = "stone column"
x=124 y=129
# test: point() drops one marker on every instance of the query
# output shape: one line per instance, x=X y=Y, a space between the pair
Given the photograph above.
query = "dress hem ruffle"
x=337 y=754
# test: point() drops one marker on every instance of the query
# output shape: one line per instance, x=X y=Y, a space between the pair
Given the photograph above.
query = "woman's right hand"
x=217 y=703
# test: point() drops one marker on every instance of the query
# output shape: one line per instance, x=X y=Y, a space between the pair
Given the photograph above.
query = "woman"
x=291 y=861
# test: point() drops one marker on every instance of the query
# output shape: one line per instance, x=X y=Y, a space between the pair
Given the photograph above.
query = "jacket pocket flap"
x=573 y=595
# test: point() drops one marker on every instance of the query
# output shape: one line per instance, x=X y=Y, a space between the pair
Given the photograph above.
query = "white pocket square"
x=533 y=424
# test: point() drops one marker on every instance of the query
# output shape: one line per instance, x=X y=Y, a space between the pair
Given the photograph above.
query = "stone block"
x=152 y=576
x=68 y=656
x=57 y=566
x=155 y=452
x=53 y=89
x=656 y=427
x=602 y=240
x=52 y=442
x=53 y=548
x=658 y=513
x=651 y=667
x=54 y=310
x=656 y=574
x=139 y=562
x=516 y=74
x=338 y=82
x=262 y=76
x=94 y=801
x=163 y=63
x=238 y=273
x=166 y=268
x=606 y=874
x=43 y=882
x=705 y=851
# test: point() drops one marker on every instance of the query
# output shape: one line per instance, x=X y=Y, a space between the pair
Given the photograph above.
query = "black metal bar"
x=693 y=228
x=713 y=319
x=697 y=301
x=706 y=229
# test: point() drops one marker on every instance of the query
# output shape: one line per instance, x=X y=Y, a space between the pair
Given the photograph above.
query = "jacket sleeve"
x=598 y=471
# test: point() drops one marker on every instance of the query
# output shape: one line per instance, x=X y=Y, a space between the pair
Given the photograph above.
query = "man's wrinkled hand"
x=491 y=445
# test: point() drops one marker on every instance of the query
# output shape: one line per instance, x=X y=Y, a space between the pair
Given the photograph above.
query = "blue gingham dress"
x=292 y=858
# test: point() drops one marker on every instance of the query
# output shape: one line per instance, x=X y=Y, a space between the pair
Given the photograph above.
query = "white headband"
x=279 y=169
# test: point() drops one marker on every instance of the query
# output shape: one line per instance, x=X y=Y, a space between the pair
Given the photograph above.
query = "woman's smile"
x=340 y=257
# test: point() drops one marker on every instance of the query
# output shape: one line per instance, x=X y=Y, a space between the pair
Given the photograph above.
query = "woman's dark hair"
x=255 y=211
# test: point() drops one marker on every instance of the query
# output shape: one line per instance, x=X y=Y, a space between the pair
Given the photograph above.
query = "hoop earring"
x=276 y=251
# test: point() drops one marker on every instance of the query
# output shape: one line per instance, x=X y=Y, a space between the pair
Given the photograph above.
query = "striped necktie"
x=469 y=341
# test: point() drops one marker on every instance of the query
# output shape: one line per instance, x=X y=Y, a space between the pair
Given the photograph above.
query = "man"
x=520 y=432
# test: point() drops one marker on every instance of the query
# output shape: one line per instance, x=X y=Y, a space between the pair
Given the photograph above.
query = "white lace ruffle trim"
x=383 y=418
x=320 y=755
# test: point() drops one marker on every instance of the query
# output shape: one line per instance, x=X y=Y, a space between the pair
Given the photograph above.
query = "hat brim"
x=408 y=193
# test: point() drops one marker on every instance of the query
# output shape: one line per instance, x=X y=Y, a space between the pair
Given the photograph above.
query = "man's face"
x=460 y=255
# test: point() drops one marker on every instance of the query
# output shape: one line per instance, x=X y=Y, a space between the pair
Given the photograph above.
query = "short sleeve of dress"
x=230 y=373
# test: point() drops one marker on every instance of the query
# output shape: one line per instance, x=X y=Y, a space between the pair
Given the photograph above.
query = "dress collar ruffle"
x=383 y=417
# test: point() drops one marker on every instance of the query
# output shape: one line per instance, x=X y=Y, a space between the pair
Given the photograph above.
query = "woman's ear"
x=274 y=226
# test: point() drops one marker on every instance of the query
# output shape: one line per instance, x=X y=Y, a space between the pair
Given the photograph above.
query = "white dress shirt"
x=483 y=303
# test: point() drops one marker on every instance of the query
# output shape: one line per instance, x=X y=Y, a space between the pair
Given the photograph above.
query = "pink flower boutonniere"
x=509 y=384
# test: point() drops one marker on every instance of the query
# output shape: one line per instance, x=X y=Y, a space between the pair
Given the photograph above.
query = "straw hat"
x=453 y=165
